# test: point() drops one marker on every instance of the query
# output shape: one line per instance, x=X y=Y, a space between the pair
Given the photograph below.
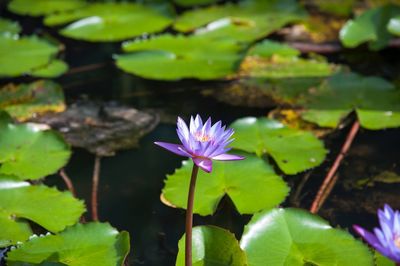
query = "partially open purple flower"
x=385 y=239
x=202 y=142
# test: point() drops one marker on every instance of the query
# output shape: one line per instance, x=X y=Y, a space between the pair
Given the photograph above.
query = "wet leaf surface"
x=22 y=148
x=81 y=244
x=43 y=7
x=9 y=27
x=108 y=22
x=169 y=57
x=26 y=101
x=212 y=246
x=296 y=237
x=283 y=144
x=47 y=207
x=263 y=189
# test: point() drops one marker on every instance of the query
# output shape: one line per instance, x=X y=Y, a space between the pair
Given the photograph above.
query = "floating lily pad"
x=394 y=25
x=79 y=245
x=375 y=100
x=28 y=152
x=52 y=70
x=283 y=144
x=48 y=207
x=272 y=60
x=338 y=7
x=9 y=27
x=23 y=55
x=247 y=20
x=212 y=246
x=381 y=260
x=25 y=101
x=371 y=26
x=43 y=7
x=168 y=57
x=295 y=237
x=110 y=21
x=250 y=193
x=194 y=2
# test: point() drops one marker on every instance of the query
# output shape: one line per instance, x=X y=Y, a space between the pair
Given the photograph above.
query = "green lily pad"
x=28 y=152
x=246 y=21
x=168 y=57
x=212 y=246
x=110 y=22
x=43 y=7
x=273 y=60
x=26 y=101
x=394 y=25
x=283 y=144
x=48 y=207
x=52 y=70
x=9 y=27
x=381 y=260
x=188 y=3
x=370 y=26
x=250 y=193
x=79 y=245
x=23 y=55
x=375 y=100
x=338 y=7
x=295 y=237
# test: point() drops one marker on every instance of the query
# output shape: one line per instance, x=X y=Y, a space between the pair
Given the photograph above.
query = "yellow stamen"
x=202 y=138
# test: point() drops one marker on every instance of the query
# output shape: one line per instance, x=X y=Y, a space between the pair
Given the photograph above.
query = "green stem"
x=189 y=217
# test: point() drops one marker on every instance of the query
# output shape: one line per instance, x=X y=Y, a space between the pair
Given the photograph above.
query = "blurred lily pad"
x=188 y=3
x=26 y=101
x=270 y=59
x=394 y=25
x=24 y=55
x=9 y=27
x=371 y=26
x=168 y=57
x=247 y=20
x=283 y=144
x=262 y=189
x=108 y=22
x=79 y=245
x=376 y=101
x=381 y=260
x=47 y=207
x=296 y=237
x=28 y=152
x=212 y=246
x=43 y=7
x=52 y=70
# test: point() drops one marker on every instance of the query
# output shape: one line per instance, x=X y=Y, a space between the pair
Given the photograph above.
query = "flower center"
x=396 y=241
x=202 y=137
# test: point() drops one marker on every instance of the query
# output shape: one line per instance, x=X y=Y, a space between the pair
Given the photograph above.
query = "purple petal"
x=227 y=157
x=183 y=129
x=203 y=163
x=369 y=237
x=175 y=148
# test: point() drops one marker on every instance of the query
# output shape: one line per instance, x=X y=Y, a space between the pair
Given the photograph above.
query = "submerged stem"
x=95 y=185
x=189 y=217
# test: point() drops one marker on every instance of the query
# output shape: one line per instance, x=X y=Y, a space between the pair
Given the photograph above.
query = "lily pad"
x=295 y=237
x=371 y=26
x=188 y=3
x=9 y=27
x=246 y=21
x=274 y=60
x=28 y=152
x=394 y=25
x=52 y=70
x=212 y=246
x=48 y=207
x=283 y=144
x=23 y=55
x=108 y=22
x=43 y=7
x=168 y=57
x=375 y=100
x=79 y=245
x=25 y=101
x=381 y=260
x=261 y=189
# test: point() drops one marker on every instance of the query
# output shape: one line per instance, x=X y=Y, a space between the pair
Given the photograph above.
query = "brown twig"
x=67 y=182
x=320 y=48
x=295 y=197
x=323 y=191
x=95 y=185
x=189 y=217
x=85 y=68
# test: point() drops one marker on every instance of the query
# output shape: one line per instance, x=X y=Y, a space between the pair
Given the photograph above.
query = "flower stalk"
x=189 y=216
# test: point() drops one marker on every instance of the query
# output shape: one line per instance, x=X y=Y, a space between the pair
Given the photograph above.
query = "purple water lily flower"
x=202 y=142
x=385 y=239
